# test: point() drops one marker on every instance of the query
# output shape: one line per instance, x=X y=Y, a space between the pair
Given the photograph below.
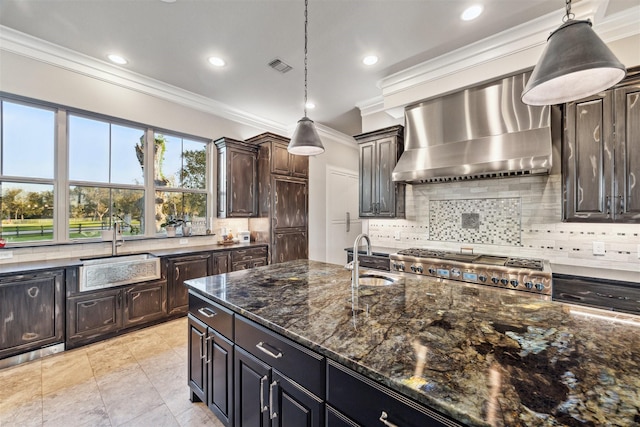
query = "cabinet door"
x=299 y=166
x=587 y=159
x=367 y=179
x=197 y=359
x=220 y=376
x=386 y=158
x=627 y=192
x=242 y=175
x=31 y=308
x=292 y=405
x=145 y=302
x=290 y=203
x=181 y=269
x=251 y=390
x=280 y=159
x=221 y=263
x=94 y=314
x=289 y=246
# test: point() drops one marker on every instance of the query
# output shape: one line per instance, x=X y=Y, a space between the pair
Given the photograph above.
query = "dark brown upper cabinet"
x=380 y=150
x=237 y=178
x=281 y=162
x=600 y=159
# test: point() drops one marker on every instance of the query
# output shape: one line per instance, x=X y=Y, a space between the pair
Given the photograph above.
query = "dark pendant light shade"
x=305 y=140
x=575 y=64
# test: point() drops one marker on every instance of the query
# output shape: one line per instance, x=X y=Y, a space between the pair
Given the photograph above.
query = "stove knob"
x=413 y=268
x=529 y=285
x=432 y=270
x=539 y=286
x=401 y=267
x=495 y=280
x=482 y=278
x=504 y=281
x=420 y=269
x=514 y=283
x=397 y=266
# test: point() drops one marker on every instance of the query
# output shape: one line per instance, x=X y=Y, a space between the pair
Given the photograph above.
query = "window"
x=180 y=179
x=27 y=165
x=106 y=177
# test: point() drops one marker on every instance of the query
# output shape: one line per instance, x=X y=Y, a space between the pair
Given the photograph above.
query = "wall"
x=515 y=216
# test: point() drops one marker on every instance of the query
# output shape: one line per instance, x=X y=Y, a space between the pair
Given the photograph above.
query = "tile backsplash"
x=520 y=215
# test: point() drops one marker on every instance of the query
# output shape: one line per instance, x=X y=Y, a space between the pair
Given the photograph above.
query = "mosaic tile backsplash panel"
x=487 y=221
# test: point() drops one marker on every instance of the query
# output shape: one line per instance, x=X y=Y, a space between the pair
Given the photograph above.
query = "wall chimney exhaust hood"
x=480 y=132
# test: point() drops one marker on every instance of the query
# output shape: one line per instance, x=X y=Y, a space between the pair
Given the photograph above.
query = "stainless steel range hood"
x=481 y=132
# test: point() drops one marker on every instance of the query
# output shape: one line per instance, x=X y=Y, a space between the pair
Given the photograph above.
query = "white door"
x=343 y=224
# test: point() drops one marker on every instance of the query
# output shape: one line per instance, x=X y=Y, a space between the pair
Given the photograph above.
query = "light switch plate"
x=396 y=235
x=6 y=254
x=638 y=251
x=598 y=248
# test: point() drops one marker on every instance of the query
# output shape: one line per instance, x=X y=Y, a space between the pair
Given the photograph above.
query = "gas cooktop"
x=522 y=274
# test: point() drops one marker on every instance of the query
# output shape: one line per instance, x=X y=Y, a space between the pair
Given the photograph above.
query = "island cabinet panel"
x=180 y=269
x=367 y=403
x=32 y=311
x=211 y=351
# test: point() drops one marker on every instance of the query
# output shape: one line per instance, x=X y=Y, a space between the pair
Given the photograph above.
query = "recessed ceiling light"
x=310 y=105
x=218 y=62
x=369 y=60
x=117 y=59
x=471 y=12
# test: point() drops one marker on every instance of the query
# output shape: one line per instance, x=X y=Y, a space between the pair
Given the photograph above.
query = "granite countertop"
x=19 y=267
x=483 y=356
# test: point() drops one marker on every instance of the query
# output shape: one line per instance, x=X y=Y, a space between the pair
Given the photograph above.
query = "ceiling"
x=171 y=42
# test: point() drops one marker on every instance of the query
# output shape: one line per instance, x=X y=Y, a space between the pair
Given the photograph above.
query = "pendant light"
x=305 y=140
x=575 y=64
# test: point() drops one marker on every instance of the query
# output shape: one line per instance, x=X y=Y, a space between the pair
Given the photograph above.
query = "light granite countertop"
x=480 y=355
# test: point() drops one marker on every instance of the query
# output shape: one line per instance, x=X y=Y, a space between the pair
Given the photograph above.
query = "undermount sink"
x=107 y=272
x=379 y=279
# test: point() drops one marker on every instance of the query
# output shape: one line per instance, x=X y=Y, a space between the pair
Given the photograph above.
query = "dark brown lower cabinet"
x=356 y=400
x=221 y=262
x=93 y=315
x=211 y=357
x=32 y=311
x=289 y=245
x=265 y=397
x=180 y=269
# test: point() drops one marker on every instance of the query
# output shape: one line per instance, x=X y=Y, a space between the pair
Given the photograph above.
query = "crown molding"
x=50 y=53
x=526 y=37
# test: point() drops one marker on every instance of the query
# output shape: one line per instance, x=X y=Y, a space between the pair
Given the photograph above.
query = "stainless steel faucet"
x=114 y=241
x=355 y=273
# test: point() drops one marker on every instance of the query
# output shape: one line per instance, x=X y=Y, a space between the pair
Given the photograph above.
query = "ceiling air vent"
x=280 y=66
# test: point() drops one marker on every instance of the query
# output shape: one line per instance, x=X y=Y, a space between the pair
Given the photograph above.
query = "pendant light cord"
x=569 y=16
x=306 y=24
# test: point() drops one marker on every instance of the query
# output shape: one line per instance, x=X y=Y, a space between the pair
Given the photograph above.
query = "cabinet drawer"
x=248 y=254
x=212 y=314
x=366 y=402
x=296 y=362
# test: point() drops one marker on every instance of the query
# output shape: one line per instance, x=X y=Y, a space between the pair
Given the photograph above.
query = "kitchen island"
x=478 y=355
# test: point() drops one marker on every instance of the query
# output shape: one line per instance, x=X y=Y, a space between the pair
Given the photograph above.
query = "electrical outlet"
x=6 y=254
x=396 y=235
x=598 y=248
x=184 y=241
x=638 y=251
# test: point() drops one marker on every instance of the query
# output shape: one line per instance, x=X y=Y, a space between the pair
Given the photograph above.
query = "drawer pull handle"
x=263 y=407
x=265 y=350
x=383 y=420
x=207 y=312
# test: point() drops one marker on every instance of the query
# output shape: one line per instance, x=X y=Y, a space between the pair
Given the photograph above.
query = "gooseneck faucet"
x=114 y=241
x=355 y=273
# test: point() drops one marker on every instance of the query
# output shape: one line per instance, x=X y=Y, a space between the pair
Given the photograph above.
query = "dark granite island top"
x=482 y=356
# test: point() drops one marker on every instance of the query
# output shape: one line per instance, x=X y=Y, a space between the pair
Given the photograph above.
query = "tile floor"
x=138 y=379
